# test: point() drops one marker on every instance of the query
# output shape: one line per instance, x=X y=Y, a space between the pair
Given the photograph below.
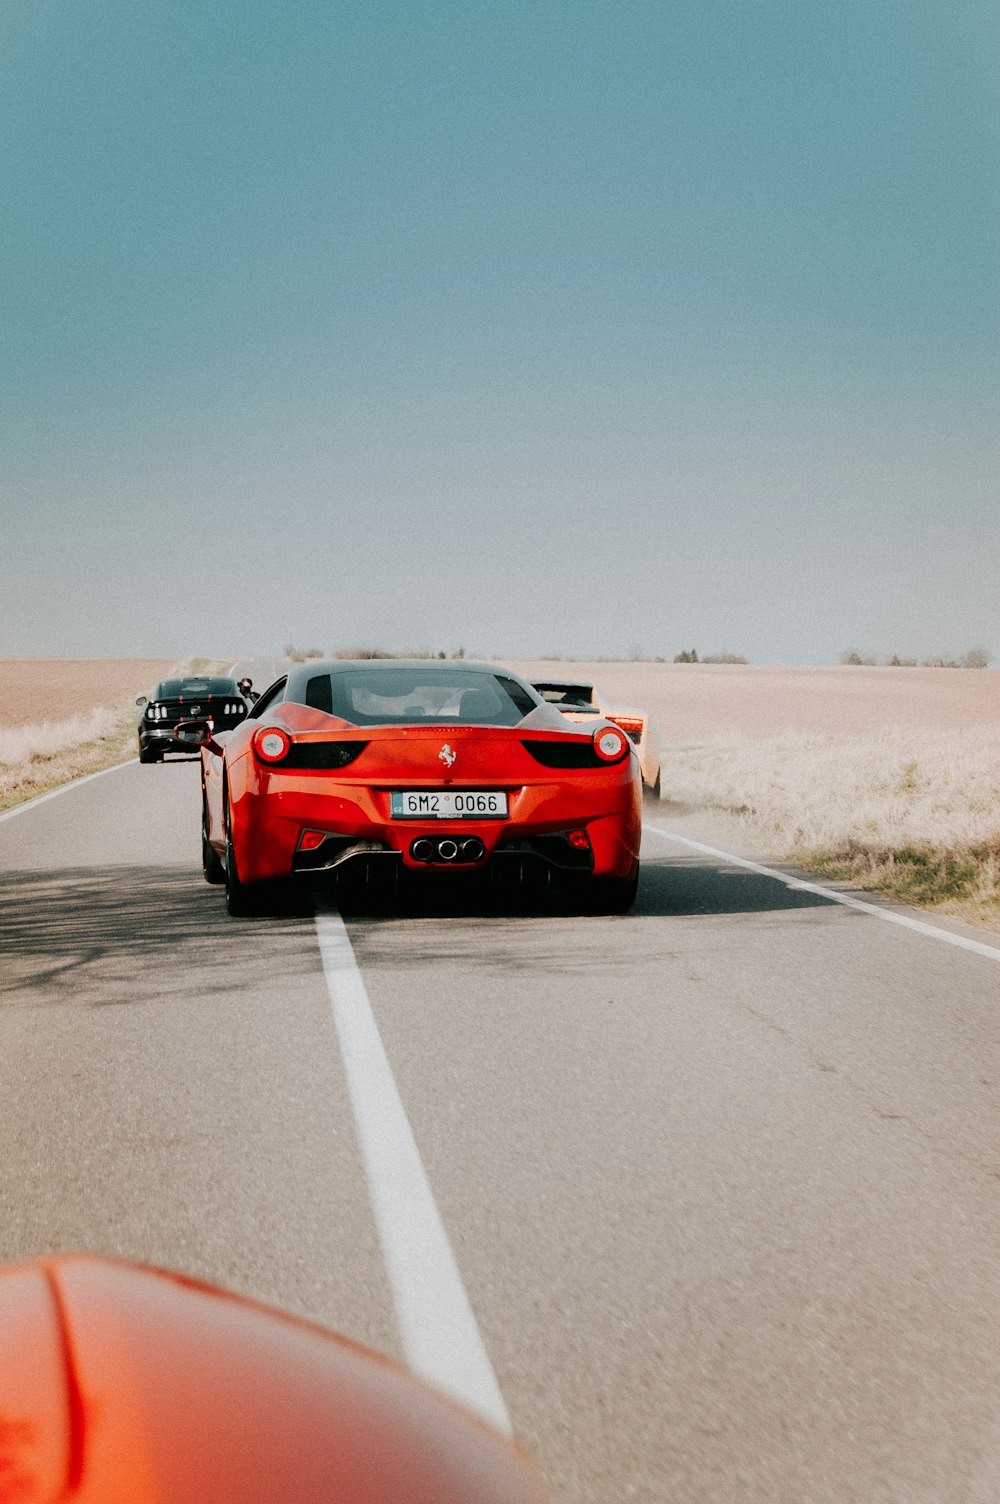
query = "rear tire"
x=148 y=754
x=610 y=895
x=211 y=863
x=242 y=900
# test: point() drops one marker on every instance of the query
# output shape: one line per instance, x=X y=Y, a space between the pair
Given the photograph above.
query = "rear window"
x=212 y=684
x=408 y=696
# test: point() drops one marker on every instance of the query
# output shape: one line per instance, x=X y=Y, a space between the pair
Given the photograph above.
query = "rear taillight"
x=610 y=743
x=311 y=840
x=271 y=744
x=563 y=752
x=631 y=725
x=323 y=755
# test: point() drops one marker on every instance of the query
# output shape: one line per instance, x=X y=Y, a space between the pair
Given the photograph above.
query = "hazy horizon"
x=605 y=330
x=710 y=661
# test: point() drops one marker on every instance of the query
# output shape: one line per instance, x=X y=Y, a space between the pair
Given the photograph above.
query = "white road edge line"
x=891 y=916
x=437 y=1327
x=63 y=788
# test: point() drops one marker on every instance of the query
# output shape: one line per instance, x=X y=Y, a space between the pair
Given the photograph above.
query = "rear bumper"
x=268 y=827
x=160 y=739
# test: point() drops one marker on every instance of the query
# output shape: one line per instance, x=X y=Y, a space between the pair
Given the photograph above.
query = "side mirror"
x=142 y=700
x=196 y=734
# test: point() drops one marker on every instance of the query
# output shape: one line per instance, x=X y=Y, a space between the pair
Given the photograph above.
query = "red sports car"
x=421 y=765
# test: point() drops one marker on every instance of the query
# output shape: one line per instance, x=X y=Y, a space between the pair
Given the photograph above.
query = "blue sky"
x=530 y=327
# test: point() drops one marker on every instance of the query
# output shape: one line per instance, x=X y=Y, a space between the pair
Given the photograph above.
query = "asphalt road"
x=719 y=1177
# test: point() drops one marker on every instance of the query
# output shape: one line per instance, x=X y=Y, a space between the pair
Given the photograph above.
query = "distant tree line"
x=304 y=655
x=974 y=658
x=690 y=655
x=301 y=655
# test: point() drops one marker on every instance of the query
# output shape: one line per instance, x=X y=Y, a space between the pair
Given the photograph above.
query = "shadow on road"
x=690 y=885
x=438 y=926
x=115 y=935
x=678 y=886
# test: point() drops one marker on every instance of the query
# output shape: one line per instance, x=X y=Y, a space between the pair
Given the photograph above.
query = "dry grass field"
x=884 y=777
x=696 y=702
x=61 y=718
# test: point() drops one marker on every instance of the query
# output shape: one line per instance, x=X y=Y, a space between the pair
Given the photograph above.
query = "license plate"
x=449 y=804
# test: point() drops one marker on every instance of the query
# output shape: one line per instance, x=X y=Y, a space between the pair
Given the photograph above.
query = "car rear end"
x=512 y=799
x=215 y=699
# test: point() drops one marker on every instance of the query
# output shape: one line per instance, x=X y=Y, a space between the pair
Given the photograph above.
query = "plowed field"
x=691 y=702
x=33 y=690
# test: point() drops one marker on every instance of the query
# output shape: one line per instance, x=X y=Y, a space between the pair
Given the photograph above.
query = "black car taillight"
x=565 y=754
x=322 y=755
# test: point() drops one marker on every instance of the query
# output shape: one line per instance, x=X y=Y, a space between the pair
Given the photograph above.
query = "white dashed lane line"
x=437 y=1327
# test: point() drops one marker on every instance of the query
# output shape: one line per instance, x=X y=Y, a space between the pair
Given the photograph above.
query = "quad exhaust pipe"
x=447 y=849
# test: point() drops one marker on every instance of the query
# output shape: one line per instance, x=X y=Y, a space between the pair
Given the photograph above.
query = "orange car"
x=422 y=766
x=128 y=1385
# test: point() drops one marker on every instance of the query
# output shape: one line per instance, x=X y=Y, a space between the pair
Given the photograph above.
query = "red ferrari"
x=422 y=766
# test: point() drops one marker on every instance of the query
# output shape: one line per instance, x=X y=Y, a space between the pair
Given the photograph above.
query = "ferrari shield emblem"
x=447 y=756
